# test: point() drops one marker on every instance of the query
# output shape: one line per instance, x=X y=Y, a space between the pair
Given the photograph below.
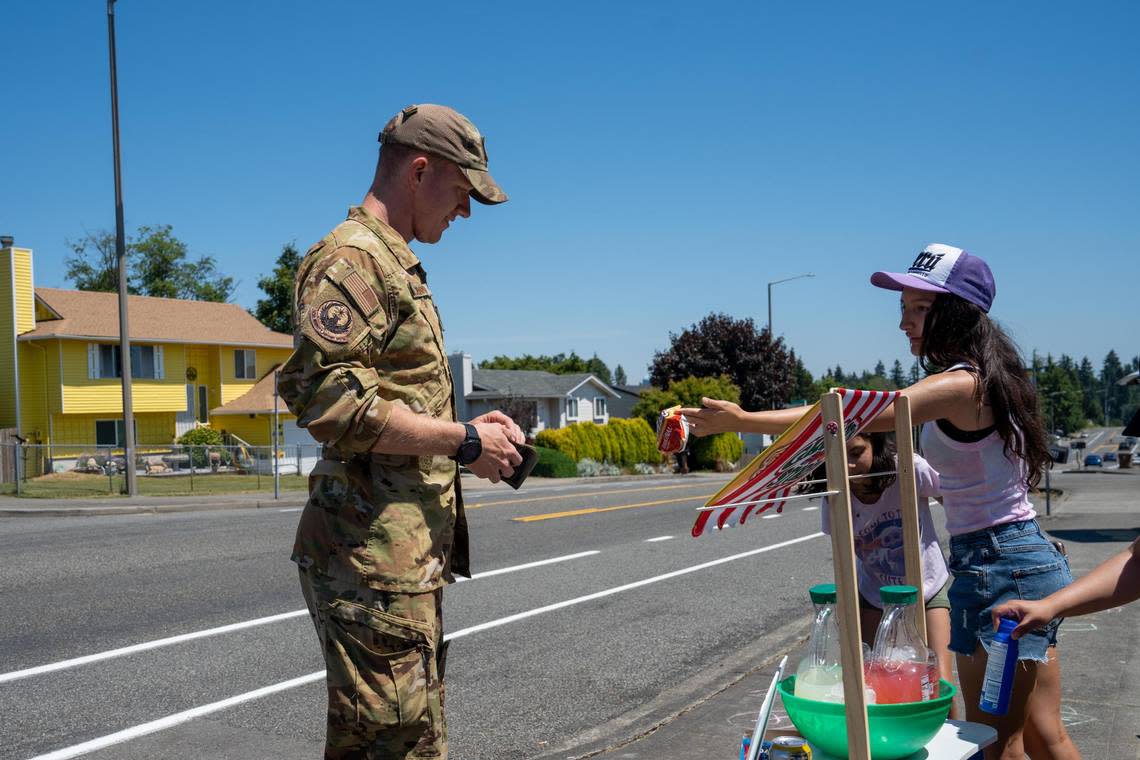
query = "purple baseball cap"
x=944 y=269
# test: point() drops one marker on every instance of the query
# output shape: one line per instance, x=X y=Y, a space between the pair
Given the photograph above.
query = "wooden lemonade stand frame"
x=956 y=740
x=970 y=736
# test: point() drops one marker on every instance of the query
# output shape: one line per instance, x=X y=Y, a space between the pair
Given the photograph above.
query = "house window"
x=599 y=408
x=110 y=433
x=203 y=404
x=146 y=362
x=571 y=408
x=245 y=368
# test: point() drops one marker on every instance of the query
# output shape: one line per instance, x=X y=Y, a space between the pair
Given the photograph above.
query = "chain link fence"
x=70 y=471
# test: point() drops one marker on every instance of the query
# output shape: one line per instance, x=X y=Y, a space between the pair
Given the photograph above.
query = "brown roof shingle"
x=89 y=314
x=257 y=400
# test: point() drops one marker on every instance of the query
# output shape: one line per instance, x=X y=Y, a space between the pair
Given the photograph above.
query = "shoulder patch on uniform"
x=332 y=320
x=365 y=297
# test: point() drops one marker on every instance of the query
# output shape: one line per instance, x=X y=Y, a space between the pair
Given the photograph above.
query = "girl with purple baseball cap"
x=983 y=434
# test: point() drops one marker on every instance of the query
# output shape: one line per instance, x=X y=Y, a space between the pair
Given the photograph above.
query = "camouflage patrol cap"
x=446 y=133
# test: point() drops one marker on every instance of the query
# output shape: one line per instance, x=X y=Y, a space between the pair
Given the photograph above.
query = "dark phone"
x=529 y=460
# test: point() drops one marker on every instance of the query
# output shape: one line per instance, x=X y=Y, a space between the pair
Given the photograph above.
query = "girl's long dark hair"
x=958 y=331
x=883 y=452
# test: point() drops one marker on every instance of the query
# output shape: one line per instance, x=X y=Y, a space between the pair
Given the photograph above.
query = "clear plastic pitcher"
x=820 y=675
x=901 y=668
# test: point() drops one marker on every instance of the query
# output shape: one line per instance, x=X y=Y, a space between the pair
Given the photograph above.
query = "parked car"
x=1093 y=460
x=1110 y=456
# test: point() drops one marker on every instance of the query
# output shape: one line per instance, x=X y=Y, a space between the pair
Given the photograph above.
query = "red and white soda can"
x=672 y=431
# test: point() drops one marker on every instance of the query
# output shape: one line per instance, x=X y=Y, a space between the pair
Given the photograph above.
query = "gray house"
x=628 y=396
x=558 y=399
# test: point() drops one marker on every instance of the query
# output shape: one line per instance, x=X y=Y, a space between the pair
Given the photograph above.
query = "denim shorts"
x=994 y=565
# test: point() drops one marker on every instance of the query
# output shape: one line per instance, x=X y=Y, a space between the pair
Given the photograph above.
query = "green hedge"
x=717 y=452
x=553 y=464
x=622 y=442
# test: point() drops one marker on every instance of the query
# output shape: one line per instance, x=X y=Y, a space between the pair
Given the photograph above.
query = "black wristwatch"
x=471 y=448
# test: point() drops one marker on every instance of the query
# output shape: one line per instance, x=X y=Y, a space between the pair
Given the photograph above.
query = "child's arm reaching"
x=726 y=417
x=1111 y=584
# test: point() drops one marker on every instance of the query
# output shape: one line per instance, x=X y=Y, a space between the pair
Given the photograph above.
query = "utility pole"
x=121 y=256
x=276 y=429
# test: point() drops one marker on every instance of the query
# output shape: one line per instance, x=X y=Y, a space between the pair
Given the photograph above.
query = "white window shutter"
x=159 y=369
x=92 y=361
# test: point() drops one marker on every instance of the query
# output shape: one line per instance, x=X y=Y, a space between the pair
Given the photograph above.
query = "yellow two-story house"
x=192 y=362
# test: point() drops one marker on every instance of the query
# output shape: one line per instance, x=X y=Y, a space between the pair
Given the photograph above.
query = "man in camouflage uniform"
x=384 y=529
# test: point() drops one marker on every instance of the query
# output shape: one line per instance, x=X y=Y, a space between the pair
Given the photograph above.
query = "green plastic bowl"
x=896 y=731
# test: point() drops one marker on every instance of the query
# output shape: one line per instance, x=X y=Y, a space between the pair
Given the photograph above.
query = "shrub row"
x=719 y=452
x=621 y=442
x=553 y=464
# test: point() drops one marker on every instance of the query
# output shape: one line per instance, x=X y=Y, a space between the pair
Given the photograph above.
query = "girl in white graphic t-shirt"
x=876 y=521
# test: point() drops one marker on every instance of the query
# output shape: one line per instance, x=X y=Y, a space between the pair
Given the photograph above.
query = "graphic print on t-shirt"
x=879 y=544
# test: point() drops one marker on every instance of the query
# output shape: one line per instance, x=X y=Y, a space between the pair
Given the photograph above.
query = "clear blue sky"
x=663 y=160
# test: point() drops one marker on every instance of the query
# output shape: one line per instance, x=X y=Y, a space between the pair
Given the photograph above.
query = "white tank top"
x=981 y=486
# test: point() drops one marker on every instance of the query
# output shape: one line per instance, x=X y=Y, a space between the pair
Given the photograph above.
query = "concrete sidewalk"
x=473 y=487
x=1100 y=654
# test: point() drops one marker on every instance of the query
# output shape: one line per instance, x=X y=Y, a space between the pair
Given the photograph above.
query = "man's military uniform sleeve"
x=341 y=314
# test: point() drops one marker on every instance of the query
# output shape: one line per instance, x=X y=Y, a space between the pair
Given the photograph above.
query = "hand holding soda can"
x=672 y=431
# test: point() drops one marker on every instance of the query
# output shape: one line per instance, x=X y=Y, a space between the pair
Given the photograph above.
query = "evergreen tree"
x=897 y=376
x=619 y=376
x=1111 y=371
x=1090 y=390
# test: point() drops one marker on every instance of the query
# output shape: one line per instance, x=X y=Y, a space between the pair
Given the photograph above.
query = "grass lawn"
x=76 y=485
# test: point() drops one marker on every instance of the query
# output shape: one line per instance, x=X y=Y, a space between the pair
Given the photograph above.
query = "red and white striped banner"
x=776 y=470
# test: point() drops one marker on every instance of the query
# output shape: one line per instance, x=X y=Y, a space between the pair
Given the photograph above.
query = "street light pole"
x=777 y=282
x=121 y=257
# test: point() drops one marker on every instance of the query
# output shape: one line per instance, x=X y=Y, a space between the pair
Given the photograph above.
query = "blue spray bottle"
x=998 y=681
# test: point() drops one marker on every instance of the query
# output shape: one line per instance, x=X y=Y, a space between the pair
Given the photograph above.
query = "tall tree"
x=94 y=265
x=719 y=344
x=619 y=376
x=275 y=311
x=803 y=385
x=1111 y=371
x=897 y=375
x=1059 y=399
x=157 y=266
x=880 y=369
x=598 y=369
x=1090 y=390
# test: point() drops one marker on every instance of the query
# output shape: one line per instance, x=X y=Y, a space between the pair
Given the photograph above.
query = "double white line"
x=187 y=715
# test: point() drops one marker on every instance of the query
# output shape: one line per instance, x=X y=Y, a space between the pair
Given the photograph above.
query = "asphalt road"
x=628 y=621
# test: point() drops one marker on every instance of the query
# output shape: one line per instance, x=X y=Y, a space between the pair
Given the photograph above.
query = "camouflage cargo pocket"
x=379 y=670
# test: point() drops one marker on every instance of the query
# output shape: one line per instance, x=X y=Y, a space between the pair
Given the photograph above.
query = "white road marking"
x=770 y=517
x=187 y=715
x=809 y=509
x=529 y=565
x=291 y=509
x=16 y=675
x=655 y=540
x=170 y=721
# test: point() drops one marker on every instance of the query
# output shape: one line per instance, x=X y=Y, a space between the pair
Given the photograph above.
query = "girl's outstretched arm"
x=948 y=395
x=716 y=416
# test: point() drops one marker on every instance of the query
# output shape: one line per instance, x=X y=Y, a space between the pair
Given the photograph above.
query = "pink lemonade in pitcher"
x=901 y=667
x=895 y=682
